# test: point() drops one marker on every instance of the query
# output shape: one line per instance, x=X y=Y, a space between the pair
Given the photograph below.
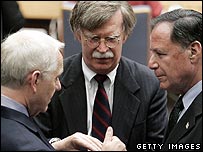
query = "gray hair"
x=187 y=25
x=91 y=15
x=26 y=51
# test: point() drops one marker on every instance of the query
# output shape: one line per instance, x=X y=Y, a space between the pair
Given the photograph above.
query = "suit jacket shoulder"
x=19 y=133
x=139 y=76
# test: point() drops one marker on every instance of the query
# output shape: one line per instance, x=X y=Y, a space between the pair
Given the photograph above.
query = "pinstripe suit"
x=139 y=106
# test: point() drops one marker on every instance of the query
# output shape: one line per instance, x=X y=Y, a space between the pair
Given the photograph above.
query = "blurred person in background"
x=155 y=6
x=12 y=19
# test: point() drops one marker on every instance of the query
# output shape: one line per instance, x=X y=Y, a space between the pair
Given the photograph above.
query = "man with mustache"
x=137 y=105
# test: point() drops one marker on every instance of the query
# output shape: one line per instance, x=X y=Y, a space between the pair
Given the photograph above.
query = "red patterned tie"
x=101 y=118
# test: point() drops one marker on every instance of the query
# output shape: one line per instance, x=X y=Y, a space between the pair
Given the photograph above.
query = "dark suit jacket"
x=189 y=127
x=20 y=133
x=139 y=108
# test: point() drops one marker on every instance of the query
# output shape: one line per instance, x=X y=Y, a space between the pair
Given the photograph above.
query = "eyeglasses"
x=110 y=41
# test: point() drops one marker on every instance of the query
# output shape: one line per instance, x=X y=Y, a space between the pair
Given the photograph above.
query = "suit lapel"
x=187 y=122
x=125 y=104
x=73 y=99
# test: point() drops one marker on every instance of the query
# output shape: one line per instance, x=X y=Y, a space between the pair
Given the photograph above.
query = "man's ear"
x=125 y=38
x=195 y=51
x=78 y=36
x=33 y=79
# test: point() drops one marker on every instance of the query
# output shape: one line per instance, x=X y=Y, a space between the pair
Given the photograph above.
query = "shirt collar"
x=89 y=74
x=12 y=104
x=191 y=94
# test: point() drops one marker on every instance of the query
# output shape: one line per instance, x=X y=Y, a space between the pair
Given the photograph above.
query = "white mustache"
x=99 y=55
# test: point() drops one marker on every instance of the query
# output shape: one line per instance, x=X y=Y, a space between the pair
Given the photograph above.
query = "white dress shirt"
x=91 y=89
x=190 y=96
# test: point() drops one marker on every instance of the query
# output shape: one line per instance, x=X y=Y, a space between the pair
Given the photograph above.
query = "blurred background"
x=43 y=14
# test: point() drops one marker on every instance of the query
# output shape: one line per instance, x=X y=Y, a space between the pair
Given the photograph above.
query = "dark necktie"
x=175 y=115
x=101 y=117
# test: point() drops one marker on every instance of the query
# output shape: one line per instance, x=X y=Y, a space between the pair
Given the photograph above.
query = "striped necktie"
x=101 y=118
